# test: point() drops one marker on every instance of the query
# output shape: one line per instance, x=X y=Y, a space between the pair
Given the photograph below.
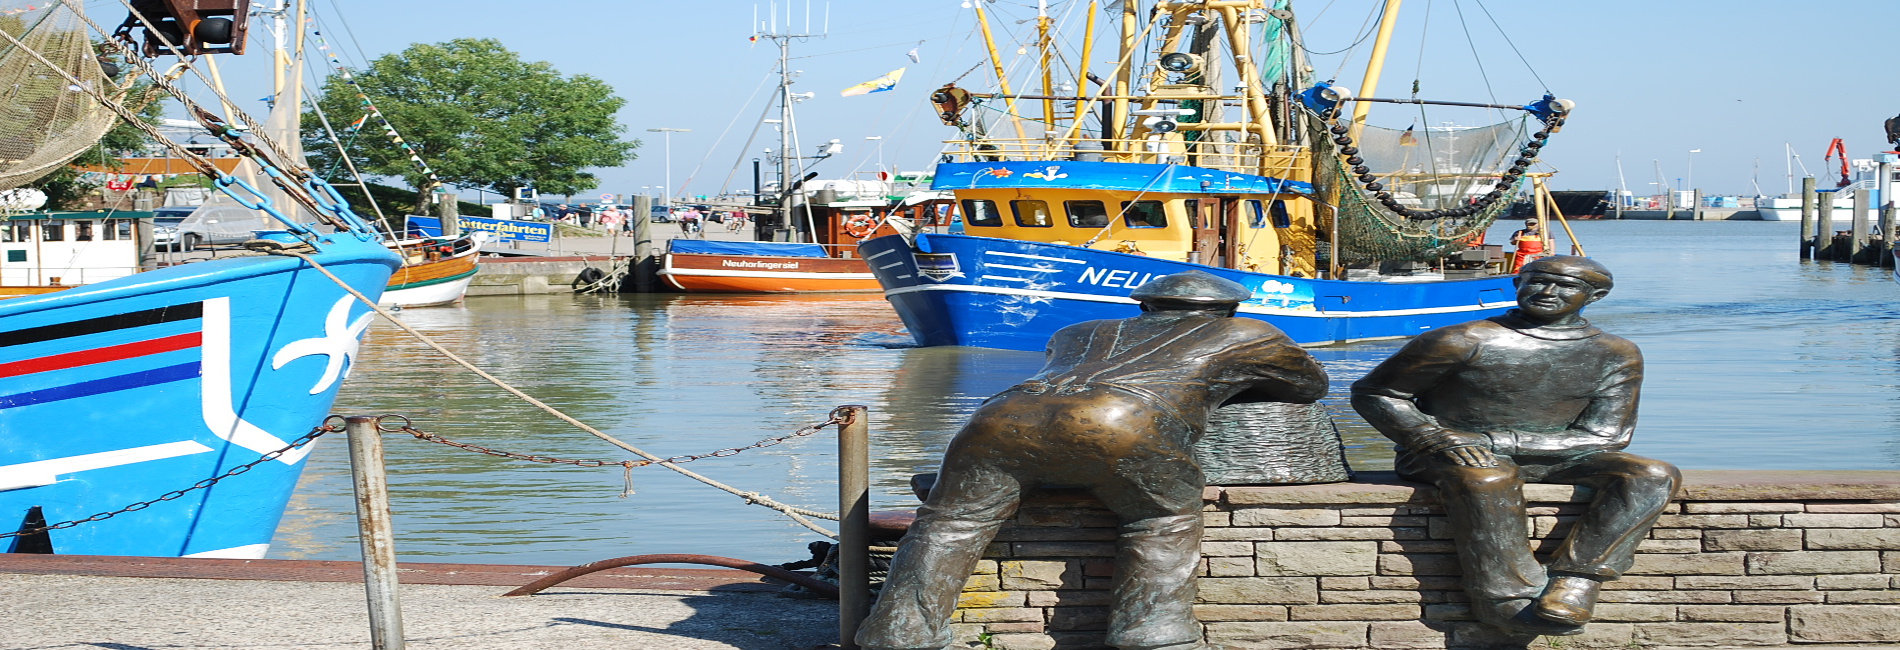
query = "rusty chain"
x=839 y=416
x=316 y=432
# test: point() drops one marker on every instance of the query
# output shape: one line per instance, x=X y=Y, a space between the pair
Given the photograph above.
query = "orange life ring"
x=860 y=226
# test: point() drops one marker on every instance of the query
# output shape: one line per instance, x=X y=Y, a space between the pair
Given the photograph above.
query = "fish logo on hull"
x=938 y=266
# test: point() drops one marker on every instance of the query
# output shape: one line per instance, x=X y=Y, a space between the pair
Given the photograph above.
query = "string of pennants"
x=389 y=130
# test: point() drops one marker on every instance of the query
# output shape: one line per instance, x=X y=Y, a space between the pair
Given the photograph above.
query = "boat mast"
x=786 y=176
x=1002 y=80
x=1388 y=18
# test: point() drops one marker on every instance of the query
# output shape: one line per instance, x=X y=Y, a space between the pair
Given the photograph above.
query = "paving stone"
x=966 y=633
x=1776 y=597
x=1380 y=511
x=1416 y=582
x=1665 y=597
x=1890 y=561
x=1385 y=522
x=1003 y=615
x=1371 y=596
x=1316 y=558
x=1226 y=549
x=1291 y=634
x=1724 y=507
x=1230 y=566
x=1640 y=583
x=1257 y=591
x=1888 y=507
x=1869 y=581
x=1881 y=597
x=1704 y=521
x=1854 y=539
x=1286 y=517
x=1448 y=612
x=1408 y=634
x=1327 y=534
x=1733 y=613
x=1040 y=574
x=1025 y=534
x=1217 y=613
x=1070 y=597
x=983 y=583
x=1217 y=519
x=1833 y=521
x=1671 y=546
x=1764 y=521
x=1711 y=634
x=1348 y=583
x=1745 y=582
x=1772 y=539
x=1845 y=624
x=1418 y=546
x=1354 y=494
x=1813 y=562
x=1058 y=517
x=1708 y=564
x=1035 y=627
x=1355 y=612
x=1675 y=533
x=1421 y=564
x=992 y=599
x=1236 y=534
x=1634 y=612
x=1552 y=493
x=985 y=567
x=1022 y=642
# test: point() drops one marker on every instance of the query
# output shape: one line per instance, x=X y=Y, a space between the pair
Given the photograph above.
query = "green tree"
x=65 y=188
x=479 y=115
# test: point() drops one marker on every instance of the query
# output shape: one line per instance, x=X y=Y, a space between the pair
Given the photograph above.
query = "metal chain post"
x=854 y=524
x=375 y=531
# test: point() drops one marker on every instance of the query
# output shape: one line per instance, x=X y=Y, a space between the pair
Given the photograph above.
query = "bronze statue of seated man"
x=1116 y=410
x=1535 y=395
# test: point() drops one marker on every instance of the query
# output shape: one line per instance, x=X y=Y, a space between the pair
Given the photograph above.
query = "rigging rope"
x=389 y=130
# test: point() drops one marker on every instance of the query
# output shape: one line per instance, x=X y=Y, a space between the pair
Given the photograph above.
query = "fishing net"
x=46 y=121
x=1440 y=168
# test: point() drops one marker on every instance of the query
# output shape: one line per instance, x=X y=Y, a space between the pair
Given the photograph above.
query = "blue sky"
x=1652 y=80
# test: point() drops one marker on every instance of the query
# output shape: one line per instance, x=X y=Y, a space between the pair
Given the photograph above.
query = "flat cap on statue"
x=1573 y=266
x=1197 y=288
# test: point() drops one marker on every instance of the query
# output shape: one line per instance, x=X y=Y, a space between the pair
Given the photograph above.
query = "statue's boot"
x=1515 y=615
x=1570 y=600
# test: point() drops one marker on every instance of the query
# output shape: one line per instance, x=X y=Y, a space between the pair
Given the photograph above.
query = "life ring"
x=860 y=226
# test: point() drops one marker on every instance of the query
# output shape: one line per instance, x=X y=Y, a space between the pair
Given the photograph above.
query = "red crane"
x=1838 y=147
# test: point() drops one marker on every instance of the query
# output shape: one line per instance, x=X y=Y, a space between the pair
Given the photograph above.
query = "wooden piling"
x=1807 y=218
x=1695 y=206
x=1887 y=239
x=854 y=525
x=375 y=531
x=644 y=266
x=1824 y=226
x=1858 y=249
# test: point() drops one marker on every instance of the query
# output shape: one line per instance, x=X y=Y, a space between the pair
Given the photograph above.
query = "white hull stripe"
x=46 y=472
x=721 y=273
x=886 y=252
x=1030 y=257
x=1245 y=309
x=1031 y=269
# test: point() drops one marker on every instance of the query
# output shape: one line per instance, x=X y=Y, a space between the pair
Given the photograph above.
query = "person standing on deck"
x=1529 y=243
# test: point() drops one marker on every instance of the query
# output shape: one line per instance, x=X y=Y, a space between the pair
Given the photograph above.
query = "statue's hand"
x=1470 y=456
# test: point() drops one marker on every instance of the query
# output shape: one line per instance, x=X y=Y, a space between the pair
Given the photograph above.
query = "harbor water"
x=1755 y=360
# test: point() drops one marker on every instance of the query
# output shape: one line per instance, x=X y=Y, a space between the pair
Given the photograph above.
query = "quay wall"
x=1708 y=214
x=1742 y=558
x=509 y=276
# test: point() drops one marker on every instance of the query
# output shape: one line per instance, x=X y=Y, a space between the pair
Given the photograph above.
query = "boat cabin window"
x=1144 y=214
x=1086 y=214
x=981 y=212
x=53 y=230
x=1256 y=215
x=82 y=231
x=13 y=232
x=1032 y=214
x=125 y=229
x=1280 y=217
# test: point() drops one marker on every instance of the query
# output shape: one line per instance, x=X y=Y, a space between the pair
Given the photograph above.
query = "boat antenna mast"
x=788 y=178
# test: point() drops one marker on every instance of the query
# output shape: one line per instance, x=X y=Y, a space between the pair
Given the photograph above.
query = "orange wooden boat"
x=435 y=271
x=704 y=266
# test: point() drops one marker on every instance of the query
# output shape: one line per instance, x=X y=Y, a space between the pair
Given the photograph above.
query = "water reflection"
x=1755 y=360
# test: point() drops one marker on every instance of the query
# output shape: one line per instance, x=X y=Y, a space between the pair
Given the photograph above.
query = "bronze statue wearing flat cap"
x=1116 y=410
x=1539 y=395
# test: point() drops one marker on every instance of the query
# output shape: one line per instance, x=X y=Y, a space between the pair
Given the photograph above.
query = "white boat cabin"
x=63 y=249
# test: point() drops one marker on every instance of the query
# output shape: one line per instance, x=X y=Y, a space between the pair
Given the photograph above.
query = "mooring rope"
x=796 y=513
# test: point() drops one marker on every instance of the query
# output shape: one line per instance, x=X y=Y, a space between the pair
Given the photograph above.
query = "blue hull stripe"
x=141 y=379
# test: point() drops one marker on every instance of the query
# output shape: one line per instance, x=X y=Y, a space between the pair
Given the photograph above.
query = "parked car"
x=660 y=214
x=170 y=232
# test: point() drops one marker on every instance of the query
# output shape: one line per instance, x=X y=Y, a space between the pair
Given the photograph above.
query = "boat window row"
x=60 y=230
x=1031 y=213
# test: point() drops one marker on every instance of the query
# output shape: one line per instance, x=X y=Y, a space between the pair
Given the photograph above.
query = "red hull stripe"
x=101 y=355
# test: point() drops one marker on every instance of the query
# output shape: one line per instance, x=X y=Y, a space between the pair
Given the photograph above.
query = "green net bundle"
x=1439 y=168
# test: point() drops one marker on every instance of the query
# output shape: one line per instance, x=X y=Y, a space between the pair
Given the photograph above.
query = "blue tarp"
x=766 y=248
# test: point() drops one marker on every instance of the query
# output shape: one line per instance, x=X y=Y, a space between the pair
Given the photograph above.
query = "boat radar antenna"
x=769 y=29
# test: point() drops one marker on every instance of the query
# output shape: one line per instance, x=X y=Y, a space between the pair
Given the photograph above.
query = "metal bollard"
x=375 y=531
x=854 y=525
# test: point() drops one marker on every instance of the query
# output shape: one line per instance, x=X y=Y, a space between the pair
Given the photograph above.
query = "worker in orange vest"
x=1530 y=244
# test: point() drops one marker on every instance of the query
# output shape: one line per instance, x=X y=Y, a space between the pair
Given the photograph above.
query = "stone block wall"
x=1744 y=558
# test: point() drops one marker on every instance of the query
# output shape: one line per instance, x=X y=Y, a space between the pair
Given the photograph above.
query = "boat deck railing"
x=1239 y=157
